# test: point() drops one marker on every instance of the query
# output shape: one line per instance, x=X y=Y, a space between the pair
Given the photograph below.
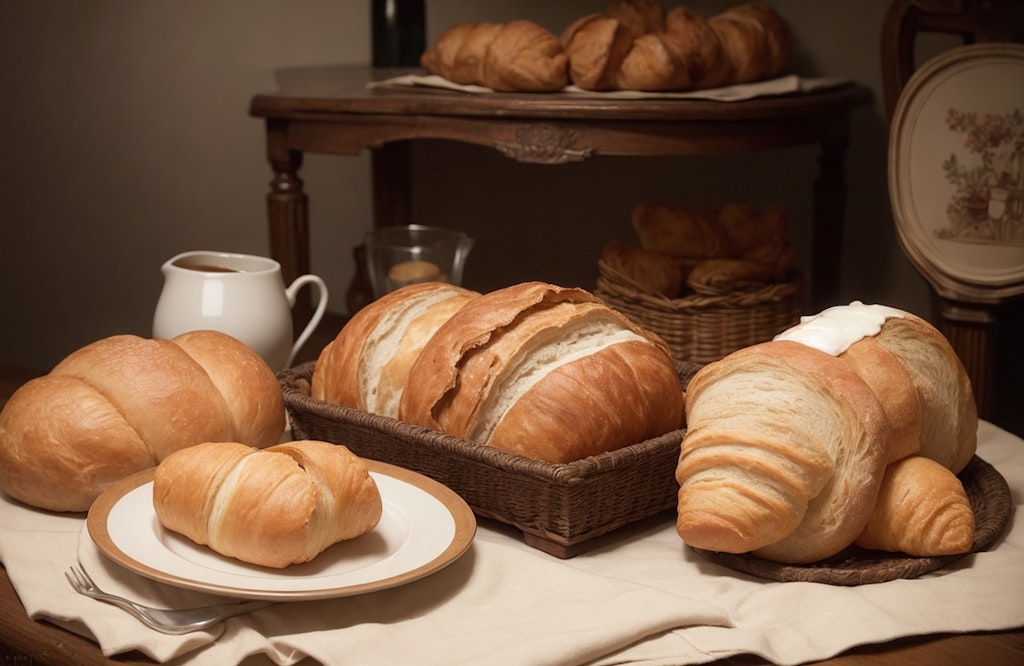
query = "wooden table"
x=25 y=642
x=330 y=110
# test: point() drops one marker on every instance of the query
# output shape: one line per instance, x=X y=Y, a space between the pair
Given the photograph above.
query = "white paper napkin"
x=641 y=598
x=783 y=85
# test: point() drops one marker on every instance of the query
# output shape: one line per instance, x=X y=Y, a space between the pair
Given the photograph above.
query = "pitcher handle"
x=292 y=292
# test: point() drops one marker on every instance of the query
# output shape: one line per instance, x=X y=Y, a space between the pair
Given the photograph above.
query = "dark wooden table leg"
x=288 y=213
x=829 y=222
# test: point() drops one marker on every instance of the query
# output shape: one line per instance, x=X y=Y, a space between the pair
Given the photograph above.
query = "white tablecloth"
x=642 y=597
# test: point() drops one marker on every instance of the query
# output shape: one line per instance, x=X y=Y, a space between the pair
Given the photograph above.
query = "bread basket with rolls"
x=708 y=281
x=541 y=406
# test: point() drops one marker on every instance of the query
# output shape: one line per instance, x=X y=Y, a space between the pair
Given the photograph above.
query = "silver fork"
x=165 y=621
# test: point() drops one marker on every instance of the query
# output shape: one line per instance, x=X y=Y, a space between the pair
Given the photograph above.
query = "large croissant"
x=273 y=507
x=636 y=45
x=788 y=441
x=515 y=56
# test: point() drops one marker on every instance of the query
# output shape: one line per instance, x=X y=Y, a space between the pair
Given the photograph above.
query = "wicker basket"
x=702 y=328
x=560 y=508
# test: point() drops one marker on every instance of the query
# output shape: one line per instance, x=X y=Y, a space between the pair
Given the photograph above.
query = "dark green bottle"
x=399 y=32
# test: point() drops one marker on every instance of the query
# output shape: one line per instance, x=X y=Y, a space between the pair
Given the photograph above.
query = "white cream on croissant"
x=272 y=507
x=903 y=392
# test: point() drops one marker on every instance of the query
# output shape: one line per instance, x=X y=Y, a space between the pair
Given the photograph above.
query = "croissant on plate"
x=273 y=507
x=790 y=443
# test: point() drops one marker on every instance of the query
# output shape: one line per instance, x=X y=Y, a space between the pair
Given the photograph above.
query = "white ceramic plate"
x=424 y=527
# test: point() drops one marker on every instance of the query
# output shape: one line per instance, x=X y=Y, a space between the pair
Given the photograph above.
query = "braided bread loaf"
x=122 y=404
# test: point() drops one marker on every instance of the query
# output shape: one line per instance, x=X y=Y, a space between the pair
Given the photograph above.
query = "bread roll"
x=272 y=507
x=726 y=274
x=654 y=272
x=681 y=230
x=515 y=56
x=366 y=365
x=921 y=510
x=515 y=368
x=122 y=404
x=779 y=461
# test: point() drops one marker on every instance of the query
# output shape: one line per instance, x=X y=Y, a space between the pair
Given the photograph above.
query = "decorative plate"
x=956 y=170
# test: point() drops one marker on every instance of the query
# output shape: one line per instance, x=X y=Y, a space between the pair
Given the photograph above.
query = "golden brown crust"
x=366 y=365
x=949 y=415
x=514 y=368
x=248 y=385
x=62 y=443
x=922 y=510
x=273 y=507
x=768 y=428
x=595 y=47
x=783 y=455
x=679 y=50
x=514 y=56
x=122 y=404
x=681 y=230
x=654 y=272
x=162 y=393
x=892 y=383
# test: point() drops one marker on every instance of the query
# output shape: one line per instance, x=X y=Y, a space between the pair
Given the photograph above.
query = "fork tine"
x=74 y=576
x=84 y=575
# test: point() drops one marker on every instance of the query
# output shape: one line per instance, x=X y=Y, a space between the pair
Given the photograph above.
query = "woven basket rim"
x=742 y=296
x=295 y=388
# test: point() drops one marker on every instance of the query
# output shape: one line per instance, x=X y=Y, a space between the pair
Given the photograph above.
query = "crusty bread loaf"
x=766 y=462
x=514 y=56
x=273 y=507
x=921 y=510
x=367 y=364
x=515 y=368
x=122 y=404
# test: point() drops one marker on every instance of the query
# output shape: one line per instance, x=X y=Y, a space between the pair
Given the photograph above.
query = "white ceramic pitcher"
x=239 y=294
